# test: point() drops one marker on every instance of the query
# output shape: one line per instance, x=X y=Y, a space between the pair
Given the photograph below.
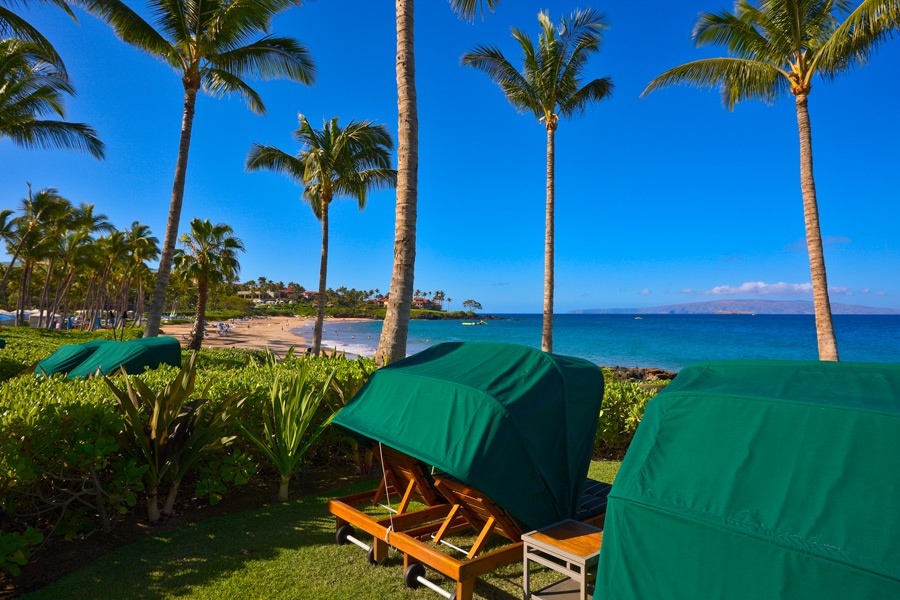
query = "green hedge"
x=623 y=408
x=65 y=464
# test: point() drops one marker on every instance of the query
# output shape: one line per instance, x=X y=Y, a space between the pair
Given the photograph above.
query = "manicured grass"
x=284 y=551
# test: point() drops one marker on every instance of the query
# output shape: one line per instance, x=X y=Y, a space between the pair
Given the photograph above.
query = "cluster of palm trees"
x=70 y=258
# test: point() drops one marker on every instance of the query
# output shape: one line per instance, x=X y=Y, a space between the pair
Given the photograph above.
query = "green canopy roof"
x=760 y=479
x=105 y=356
x=512 y=421
x=67 y=357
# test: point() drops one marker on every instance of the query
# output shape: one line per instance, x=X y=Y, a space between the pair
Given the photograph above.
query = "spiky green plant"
x=166 y=430
x=293 y=402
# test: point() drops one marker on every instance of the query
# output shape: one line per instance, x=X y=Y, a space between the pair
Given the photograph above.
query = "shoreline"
x=277 y=334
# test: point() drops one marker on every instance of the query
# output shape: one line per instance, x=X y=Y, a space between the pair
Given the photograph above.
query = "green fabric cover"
x=67 y=357
x=760 y=479
x=512 y=421
x=135 y=355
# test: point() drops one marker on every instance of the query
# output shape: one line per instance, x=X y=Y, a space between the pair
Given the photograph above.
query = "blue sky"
x=661 y=200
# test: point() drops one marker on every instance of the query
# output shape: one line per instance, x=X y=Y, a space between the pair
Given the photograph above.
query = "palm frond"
x=134 y=30
x=269 y=58
x=738 y=79
x=56 y=134
x=864 y=30
x=595 y=91
x=466 y=9
x=12 y=26
x=726 y=29
x=269 y=158
x=219 y=82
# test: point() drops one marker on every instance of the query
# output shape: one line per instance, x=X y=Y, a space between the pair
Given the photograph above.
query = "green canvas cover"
x=135 y=355
x=760 y=479
x=512 y=421
x=67 y=357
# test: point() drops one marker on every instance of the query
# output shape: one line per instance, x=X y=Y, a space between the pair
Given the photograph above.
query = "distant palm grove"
x=66 y=258
x=69 y=260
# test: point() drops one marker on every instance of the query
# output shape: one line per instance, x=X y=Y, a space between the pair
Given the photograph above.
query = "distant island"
x=740 y=307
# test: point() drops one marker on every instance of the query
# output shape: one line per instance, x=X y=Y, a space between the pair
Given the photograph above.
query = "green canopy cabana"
x=67 y=357
x=512 y=421
x=760 y=479
x=106 y=356
x=135 y=356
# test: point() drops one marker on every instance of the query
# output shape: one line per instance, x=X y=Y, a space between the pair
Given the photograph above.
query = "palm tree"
x=778 y=46
x=144 y=246
x=392 y=344
x=31 y=86
x=209 y=45
x=209 y=257
x=333 y=162
x=549 y=86
x=81 y=222
x=37 y=209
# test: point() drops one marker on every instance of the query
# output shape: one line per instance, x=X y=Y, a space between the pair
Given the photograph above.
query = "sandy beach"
x=275 y=333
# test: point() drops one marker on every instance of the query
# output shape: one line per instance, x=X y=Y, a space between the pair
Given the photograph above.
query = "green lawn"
x=285 y=551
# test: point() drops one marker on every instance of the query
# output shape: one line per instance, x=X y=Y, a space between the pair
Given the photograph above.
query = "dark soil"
x=57 y=557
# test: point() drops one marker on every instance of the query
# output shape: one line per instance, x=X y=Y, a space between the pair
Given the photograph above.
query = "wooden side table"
x=568 y=547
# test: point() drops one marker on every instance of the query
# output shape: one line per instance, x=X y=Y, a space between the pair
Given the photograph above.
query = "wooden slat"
x=446 y=524
x=478 y=546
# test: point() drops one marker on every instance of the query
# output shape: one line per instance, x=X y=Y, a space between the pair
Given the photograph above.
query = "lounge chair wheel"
x=343 y=533
x=411 y=577
x=370 y=556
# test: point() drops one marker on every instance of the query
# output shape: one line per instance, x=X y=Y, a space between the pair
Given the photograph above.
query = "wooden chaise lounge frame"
x=417 y=533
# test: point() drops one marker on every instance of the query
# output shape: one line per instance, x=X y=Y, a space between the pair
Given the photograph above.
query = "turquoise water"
x=665 y=341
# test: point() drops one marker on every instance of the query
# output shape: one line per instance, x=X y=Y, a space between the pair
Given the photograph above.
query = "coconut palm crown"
x=32 y=86
x=215 y=46
x=777 y=47
x=333 y=162
x=549 y=86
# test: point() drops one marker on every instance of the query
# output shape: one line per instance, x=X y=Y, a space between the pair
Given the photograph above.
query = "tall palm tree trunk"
x=157 y=304
x=24 y=284
x=200 y=316
x=139 y=303
x=61 y=295
x=12 y=261
x=392 y=345
x=549 y=241
x=45 y=298
x=323 y=273
x=824 y=326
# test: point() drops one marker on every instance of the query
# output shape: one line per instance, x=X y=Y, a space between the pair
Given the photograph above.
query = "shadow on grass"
x=286 y=551
x=182 y=561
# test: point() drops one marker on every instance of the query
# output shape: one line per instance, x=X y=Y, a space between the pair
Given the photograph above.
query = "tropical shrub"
x=167 y=431
x=60 y=465
x=623 y=408
x=69 y=463
x=15 y=548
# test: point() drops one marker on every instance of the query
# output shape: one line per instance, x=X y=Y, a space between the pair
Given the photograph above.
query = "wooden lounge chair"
x=404 y=478
x=421 y=534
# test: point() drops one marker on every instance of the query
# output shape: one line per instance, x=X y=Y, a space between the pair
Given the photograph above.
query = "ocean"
x=664 y=341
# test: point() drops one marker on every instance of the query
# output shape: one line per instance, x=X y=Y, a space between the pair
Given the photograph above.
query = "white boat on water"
x=481 y=322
